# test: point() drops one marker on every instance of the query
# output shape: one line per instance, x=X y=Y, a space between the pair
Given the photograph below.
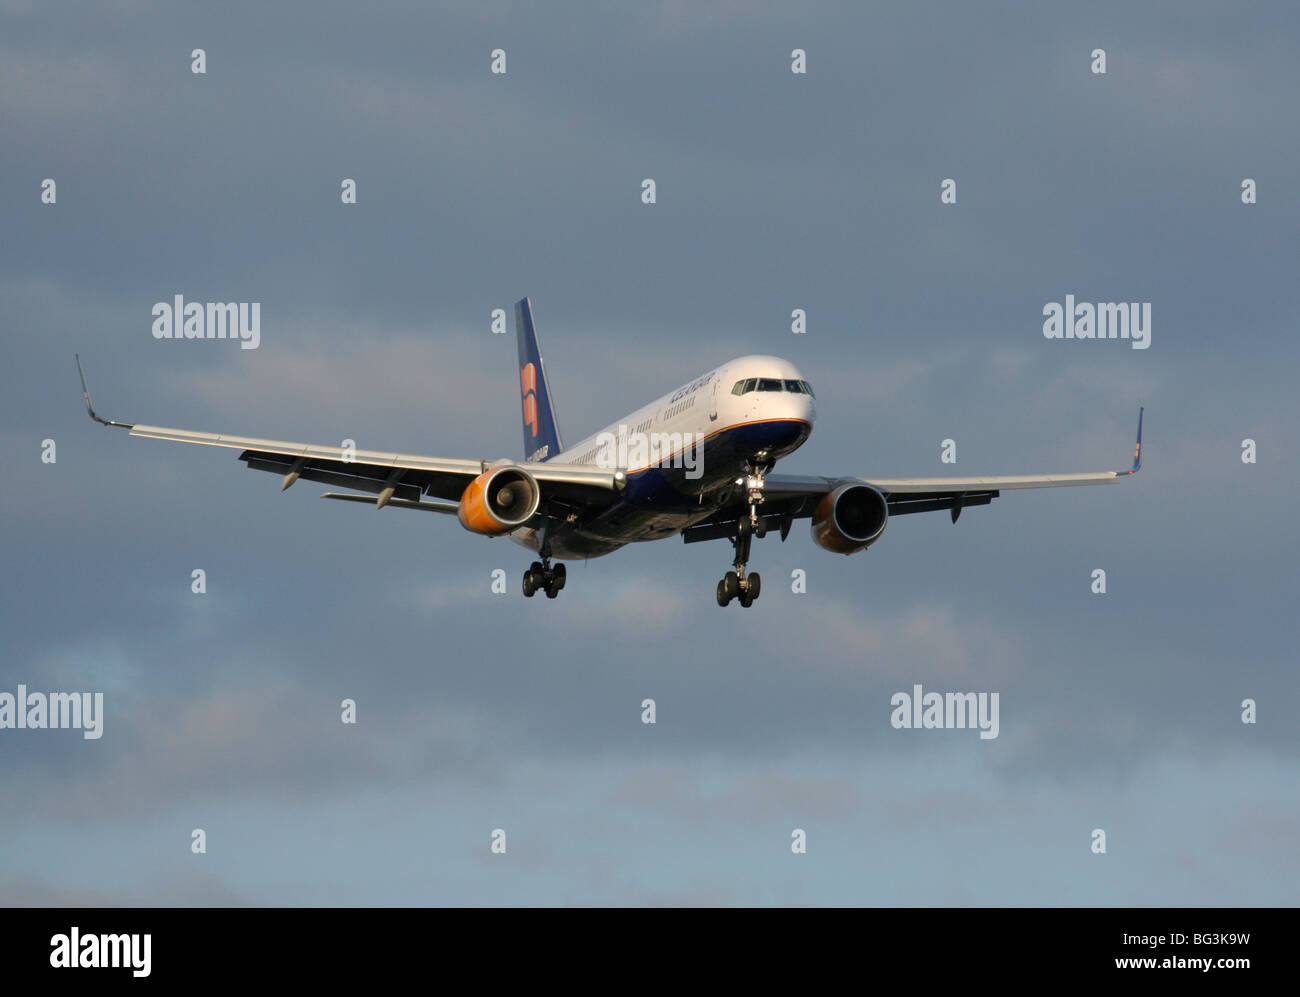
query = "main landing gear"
x=737 y=584
x=540 y=575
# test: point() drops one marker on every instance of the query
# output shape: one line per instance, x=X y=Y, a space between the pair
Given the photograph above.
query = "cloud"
x=775 y=192
x=181 y=889
x=928 y=644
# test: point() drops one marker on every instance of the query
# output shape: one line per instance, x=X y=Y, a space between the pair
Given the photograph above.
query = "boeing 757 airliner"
x=696 y=462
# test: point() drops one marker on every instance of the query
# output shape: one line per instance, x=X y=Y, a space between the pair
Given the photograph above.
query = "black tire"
x=552 y=591
x=723 y=598
x=746 y=599
x=760 y=530
x=732 y=581
x=559 y=575
x=530 y=584
x=753 y=585
x=744 y=527
x=536 y=566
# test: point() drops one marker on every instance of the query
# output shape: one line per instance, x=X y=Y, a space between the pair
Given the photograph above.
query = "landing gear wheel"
x=760 y=529
x=746 y=599
x=743 y=528
x=723 y=597
x=753 y=584
x=542 y=576
x=731 y=585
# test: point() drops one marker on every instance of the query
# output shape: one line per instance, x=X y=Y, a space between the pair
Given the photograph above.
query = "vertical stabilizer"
x=541 y=433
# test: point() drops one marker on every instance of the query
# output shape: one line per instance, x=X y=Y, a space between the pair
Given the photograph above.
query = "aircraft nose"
x=808 y=408
x=799 y=408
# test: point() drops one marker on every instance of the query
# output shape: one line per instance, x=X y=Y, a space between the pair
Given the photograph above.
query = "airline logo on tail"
x=541 y=435
x=528 y=381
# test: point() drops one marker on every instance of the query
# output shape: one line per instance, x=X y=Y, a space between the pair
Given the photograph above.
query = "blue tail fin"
x=541 y=434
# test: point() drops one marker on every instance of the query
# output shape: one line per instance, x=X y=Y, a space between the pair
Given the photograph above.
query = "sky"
x=476 y=711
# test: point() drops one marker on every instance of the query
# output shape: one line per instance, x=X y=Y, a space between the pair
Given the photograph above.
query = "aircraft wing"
x=790 y=497
x=402 y=479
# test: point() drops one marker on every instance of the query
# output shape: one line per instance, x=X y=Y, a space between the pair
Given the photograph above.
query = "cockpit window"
x=771 y=384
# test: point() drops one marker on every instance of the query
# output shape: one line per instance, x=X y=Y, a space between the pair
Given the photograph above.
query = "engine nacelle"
x=498 y=501
x=850 y=518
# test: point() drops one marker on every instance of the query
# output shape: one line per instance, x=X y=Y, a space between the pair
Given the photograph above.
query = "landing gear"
x=556 y=581
x=728 y=588
x=540 y=576
x=737 y=584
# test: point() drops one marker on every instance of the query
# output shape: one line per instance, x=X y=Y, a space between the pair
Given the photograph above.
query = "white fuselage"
x=684 y=447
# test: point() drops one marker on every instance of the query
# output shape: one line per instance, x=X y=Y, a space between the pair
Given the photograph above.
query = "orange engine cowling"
x=498 y=501
x=850 y=518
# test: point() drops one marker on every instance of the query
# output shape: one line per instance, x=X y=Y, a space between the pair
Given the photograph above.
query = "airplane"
x=696 y=462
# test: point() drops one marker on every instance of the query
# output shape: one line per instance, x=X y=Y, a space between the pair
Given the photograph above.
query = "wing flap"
x=446 y=508
x=354 y=478
x=991 y=482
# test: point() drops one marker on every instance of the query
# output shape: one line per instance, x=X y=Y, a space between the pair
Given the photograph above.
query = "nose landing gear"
x=738 y=584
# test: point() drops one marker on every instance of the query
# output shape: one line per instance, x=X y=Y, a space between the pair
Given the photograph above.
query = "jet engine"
x=498 y=501
x=850 y=518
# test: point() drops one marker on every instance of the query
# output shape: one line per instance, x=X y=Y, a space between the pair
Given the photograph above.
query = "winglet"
x=85 y=393
x=1137 y=449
